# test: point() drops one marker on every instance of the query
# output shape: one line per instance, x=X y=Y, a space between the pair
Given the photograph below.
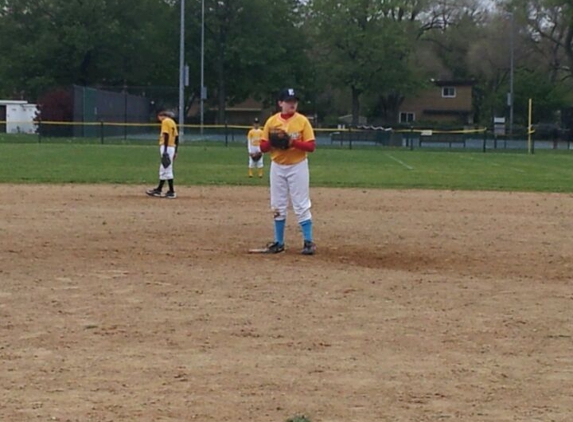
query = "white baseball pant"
x=253 y=164
x=257 y=164
x=166 y=173
x=290 y=181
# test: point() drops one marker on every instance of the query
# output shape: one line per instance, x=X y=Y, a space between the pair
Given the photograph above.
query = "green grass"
x=215 y=164
x=298 y=419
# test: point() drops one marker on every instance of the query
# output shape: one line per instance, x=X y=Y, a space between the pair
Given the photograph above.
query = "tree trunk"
x=84 y=78
x=394 y=102
x=221 y=95
x=355 y=105
x=568 y=46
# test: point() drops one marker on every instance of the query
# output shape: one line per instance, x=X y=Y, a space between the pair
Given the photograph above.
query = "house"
x=347 y=119
x=446 y=102
x=244 y=112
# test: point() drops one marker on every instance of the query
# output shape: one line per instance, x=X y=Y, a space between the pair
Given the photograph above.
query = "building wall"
x=431 y=99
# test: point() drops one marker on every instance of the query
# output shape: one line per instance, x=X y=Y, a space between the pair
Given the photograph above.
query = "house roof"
x=12 y=102
x=248 y=105
x=238 y=108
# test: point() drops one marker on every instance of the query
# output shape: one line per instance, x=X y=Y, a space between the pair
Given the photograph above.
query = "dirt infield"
x=419 y=306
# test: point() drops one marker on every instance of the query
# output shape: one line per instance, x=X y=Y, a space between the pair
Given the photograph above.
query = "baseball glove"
x=279 y=139
x=256 y=156
x=165 y=160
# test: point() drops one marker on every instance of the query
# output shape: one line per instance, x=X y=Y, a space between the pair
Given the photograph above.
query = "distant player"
x=253 y=145
x=168 y=146
x=289 y=136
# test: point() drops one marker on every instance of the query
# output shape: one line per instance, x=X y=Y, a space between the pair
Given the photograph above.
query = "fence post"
x=484 y=140
x=533 y=144
x=226 y=134
x=101 y=130
x=124 y=111
x=411 y=138
x=350 y=137
x=40 y=131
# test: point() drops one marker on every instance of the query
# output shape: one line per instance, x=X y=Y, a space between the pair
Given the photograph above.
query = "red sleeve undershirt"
x=265 y=146
x=308 y=146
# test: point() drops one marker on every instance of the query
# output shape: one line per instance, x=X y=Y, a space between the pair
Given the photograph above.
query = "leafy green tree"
x=252 y=49
x=547 y=96
x=366 y=46
x=549 y=29
x=535 y=75
x=445 y=33
x=87 y=42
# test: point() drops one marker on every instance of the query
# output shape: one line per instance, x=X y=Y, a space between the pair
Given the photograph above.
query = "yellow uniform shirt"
x=254 y=137
x=299 y=129
x=168 y=126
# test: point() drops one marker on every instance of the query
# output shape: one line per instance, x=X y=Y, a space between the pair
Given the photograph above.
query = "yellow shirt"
x=254 y=137
x=168 y=126
x=299 y=129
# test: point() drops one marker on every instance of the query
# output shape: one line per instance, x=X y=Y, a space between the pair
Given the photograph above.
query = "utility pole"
x=511 y=68
x=203 y=94
x=182 y=73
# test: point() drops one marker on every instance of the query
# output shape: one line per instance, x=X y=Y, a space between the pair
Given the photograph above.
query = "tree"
x=253 y=48
x=534 y=67
x=61 y=42
x=549 y=28
x=446 y=29
x=365 y=46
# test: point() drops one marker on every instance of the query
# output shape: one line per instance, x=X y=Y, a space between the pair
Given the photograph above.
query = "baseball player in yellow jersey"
x=168 y=145
x=289 y=174
x=253 y=145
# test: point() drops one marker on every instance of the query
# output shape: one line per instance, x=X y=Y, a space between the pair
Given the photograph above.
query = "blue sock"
x=280 y=231
x=306 y=227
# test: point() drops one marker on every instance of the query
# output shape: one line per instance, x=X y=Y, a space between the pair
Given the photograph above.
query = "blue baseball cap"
x=288 y=94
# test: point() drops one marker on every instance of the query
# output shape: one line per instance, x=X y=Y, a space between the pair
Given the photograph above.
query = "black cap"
x=256 y=120
x=288 y=94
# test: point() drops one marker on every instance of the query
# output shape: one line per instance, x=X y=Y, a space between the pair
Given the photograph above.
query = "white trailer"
x=18 y=117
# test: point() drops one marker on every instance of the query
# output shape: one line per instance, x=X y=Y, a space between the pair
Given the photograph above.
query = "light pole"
x=182 y=73
x=511 y=66
x=203 y=94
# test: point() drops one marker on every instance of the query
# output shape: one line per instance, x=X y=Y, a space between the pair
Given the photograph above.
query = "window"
x=406 y=117
x=449 y=92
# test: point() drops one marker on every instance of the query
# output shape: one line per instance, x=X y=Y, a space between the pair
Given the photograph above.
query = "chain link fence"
x=113 y=132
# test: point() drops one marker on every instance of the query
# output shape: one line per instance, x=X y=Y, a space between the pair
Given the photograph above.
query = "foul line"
x=400 y=162
x=508 y=167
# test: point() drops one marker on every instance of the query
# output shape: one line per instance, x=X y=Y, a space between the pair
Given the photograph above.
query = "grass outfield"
x=214 y=164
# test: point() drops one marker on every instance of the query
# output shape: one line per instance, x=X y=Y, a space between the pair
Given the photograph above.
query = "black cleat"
x=274 y=247
x=154 y=192
x=309 y=248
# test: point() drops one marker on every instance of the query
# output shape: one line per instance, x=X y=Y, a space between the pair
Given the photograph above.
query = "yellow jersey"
x=168 y=126
x=254 y=137
x=299 y=129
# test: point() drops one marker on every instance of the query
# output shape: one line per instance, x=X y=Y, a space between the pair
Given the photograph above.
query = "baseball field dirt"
x=419 y=306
